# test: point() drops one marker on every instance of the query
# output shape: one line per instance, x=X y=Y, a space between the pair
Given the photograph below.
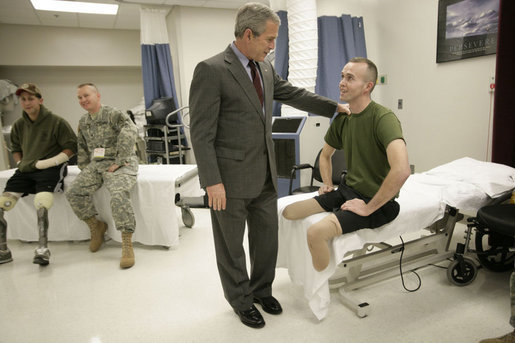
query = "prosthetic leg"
x=5 y=253
x=7 y=202
x=43 y=201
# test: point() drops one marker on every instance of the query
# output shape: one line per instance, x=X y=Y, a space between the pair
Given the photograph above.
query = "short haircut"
x=88 y=84
x=254 y=16
x=371 y=69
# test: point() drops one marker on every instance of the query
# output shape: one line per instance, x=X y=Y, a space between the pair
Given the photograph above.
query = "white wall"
x=57 y=59
x=196 y=34
x=64 y=46
x=118 y=86
x=447 y=105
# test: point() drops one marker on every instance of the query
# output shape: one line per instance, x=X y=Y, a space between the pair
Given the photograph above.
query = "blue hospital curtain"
x=156 y=59
x=339 y=40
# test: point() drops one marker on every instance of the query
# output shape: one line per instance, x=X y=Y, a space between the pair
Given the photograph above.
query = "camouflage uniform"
x=113 y=131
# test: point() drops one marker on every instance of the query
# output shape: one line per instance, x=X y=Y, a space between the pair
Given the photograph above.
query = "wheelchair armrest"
x=301 y=166
x=294 y=169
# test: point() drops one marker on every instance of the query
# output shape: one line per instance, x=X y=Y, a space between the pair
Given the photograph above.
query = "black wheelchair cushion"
x=498 y=218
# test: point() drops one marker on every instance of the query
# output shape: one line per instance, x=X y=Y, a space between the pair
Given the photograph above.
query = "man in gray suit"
x=230 y=103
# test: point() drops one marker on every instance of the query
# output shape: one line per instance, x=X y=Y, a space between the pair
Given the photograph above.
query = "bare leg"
x=302 y=209
x=319 y=235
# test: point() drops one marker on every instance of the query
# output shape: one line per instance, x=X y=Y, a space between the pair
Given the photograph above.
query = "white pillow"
x=493 y=178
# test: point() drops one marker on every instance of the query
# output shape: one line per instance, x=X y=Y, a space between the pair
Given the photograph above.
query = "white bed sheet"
x=422 y=200
x=153 y=198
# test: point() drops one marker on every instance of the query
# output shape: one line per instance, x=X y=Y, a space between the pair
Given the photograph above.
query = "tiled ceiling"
x=22 y=12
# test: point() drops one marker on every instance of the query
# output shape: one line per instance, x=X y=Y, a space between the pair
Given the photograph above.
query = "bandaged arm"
x=58 y=159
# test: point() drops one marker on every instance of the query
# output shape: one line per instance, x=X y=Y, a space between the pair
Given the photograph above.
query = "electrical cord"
x=413 y=271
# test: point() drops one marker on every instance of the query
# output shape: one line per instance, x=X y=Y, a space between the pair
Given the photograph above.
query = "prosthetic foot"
x=5 y=253
x=98 y=229
x=127 y=259
x=42 y=254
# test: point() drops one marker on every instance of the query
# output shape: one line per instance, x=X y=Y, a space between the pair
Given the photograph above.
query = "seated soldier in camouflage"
x=41 y=144
x=105 y=155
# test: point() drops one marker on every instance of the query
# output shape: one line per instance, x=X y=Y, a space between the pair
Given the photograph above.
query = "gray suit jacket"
x=231 y=138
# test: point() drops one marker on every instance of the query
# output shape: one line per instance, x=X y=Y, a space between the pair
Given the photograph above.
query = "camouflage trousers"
x=119 y=185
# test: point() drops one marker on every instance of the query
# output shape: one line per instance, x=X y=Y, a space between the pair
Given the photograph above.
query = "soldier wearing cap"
x=106 y=155
x=41 y=144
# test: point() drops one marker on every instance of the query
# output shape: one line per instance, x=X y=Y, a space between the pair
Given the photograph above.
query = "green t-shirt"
x=364 y=137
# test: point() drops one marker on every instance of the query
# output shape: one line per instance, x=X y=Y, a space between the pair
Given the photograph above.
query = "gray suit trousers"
x=260 y=214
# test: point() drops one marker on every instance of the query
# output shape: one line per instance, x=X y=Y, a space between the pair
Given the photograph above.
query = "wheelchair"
x=494 y=244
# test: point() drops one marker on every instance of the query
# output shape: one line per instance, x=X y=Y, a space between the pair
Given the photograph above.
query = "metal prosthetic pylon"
x=5 y=253
x=42 y=254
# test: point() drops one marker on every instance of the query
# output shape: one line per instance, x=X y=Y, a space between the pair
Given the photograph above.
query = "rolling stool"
x=495 y=239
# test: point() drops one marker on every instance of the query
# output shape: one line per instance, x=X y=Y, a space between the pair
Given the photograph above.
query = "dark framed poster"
x=466 y=28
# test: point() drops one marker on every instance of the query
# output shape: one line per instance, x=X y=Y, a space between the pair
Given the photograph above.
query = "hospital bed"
x=153 y=198
x=430 y=205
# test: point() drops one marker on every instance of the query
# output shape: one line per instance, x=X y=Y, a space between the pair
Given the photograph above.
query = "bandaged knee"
x=8 y=200
x=43 y=200
x=53 y=161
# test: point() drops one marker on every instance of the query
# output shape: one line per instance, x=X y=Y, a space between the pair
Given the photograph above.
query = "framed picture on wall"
x=466 y=28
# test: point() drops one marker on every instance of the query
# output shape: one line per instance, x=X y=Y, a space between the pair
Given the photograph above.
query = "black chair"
x=339 y=170
x=495 y=243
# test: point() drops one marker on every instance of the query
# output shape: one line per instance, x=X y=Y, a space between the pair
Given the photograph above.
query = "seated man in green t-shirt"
x=377 y=162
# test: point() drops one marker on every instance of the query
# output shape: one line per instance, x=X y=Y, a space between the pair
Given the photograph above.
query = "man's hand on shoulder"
x=343 y=108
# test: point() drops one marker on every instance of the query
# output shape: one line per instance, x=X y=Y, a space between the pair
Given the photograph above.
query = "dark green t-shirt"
x=364 y=137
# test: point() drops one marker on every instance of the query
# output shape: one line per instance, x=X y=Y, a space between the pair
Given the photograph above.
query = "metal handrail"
x=177 y=111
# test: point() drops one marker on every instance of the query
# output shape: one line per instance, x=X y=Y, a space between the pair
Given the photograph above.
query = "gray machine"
x=297 y=140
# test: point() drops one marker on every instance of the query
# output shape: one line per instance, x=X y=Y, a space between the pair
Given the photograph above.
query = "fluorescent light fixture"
x=74 y=7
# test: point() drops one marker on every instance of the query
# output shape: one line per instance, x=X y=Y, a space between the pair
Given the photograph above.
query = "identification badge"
x=99 y=152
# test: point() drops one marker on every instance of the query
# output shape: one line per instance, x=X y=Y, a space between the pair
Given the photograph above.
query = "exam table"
x=153 y=198
x=430 y=206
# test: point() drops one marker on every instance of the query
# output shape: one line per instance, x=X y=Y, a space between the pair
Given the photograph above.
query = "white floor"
x=175 y=296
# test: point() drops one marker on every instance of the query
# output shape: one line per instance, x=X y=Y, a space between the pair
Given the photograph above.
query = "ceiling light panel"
x=74 y=7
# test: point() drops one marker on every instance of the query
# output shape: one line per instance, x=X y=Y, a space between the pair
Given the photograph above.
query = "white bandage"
x=43 y=199
x=52 y=162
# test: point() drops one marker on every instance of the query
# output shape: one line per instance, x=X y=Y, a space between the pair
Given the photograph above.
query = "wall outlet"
x=399 y=104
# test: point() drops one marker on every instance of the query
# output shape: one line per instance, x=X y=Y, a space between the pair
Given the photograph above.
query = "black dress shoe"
x=251 y=317
x=269 y=304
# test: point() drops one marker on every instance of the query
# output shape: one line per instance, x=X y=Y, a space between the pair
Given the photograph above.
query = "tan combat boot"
x=127 y=259
x=98 y=229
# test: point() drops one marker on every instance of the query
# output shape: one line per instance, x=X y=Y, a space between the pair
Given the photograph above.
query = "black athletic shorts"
x=350 y=221
x=44 y=180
